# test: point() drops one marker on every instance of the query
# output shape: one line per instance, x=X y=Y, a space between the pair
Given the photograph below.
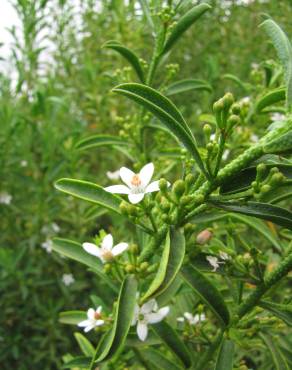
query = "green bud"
x=186 y=199
x=235 y=109
x=218 y=106
x=265 y=188
x=129 y=268
x=107 y=268
x=274 y=170
x=124 y=207
x=233 y=120
x=144 y=266
x=228 y=100
x=207 y=129
x=179 y=188
x=165 y=205
x=163 y=185
x=277 y=179
x=134 y=249
x=261 y=169
x=199 y=199
x=190 y=179
x=210 y=147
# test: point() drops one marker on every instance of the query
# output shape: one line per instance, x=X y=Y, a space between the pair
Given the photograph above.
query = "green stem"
x=220 y=153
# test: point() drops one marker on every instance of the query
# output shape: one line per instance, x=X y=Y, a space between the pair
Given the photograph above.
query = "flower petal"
x=126 y=175
x=117 y=189
x=149 y=306
x=88 y=328
x=136 y=314
x=99 y=309
x=107 y=242
x=188 y=316
x=142 y=330
x=136 y=198
x=92 y=249
x=155 y=317
x=154 y=186
x=91 y=313
x=119 y=248
x=146 y=174
x=84 y=323
x=99 y=322
x=180 y=319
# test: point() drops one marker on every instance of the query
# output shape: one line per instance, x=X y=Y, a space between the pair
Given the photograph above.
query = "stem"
x=220 y=153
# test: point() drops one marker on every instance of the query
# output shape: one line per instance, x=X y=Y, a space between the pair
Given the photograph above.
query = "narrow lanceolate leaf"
x=207 y=292
x=72 y=317
x=91 y=192
x=272 y=97
x=278 y=215
x=163 y=109
x=84 y=344
x=281 y=144
x=115 y=338
x=173 y=342
x=159 y=360
x=75 y=251
x=95 y=141
x=184 y=23
x=236 y=80
x=284 y=51
x=225 y=356
x=188 y=85
x=277 y=356
x=129 y=55
x=81 y=362
x=282 y=311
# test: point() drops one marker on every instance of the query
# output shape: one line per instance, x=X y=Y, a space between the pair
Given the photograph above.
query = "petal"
x=126 y=175
x=136 y=314
x=180 y=319
x=188 y=316
x=99 y=322
x=146 y=173
x=92 y=249
x=91 y=313
x=149 y=306
x=155 y=317
x=119 y=248
x=142 y=330
x=154 y=186
x=117 y=189
x=84 y=323
x=99 y=309
x=88 y=328
x=136 y=198
x=107 y=242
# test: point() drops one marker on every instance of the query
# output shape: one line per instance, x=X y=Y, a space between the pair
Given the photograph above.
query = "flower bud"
x=144 y=266
x=186 y=199
x=179 y=188
x=277 y=179
x=163 y=185
x=261 y=170
x=218 y=106
x=124 y=207
x=190 y=179
x=235 y=109
x=233 y=120
x=265 y=189
x=165 y=205
x=207 y=129
x=204 y=237
x=107 y=268
x=134 y=249
x=129 y=268
x=228 y=100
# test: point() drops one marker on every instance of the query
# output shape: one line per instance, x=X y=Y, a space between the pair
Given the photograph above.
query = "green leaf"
x=115 y=338
x=166 y=112
x=81 y=362
x=207 y=292
x=225 y=356
x=170 y=264
x=72 y=317
x=75 y=251
x=184 y=23
x=270 y=98
x=91 y=192
x=236 y=80
x=284 y=51
x=279 y=216
x=282 y=311
x=84 y=344
x=95 y=141
x=280 y=144
x=187 y=85
x=277 y=356
x=160 y=361
x=173 y=342
x=129 y=55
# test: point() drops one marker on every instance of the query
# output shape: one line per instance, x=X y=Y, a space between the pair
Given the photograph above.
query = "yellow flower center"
x=136 y=181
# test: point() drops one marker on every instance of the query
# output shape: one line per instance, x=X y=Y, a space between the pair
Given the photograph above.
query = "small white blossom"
x=23 y=163
x=47 y=245
x=137 y=185
x=113 y=175
x=225 y=154
x=68 y=279
x=224 y=256
x=55 y=227
x=192 y=319
x=212 y=137
x=148 y=313
x=245 y=100
x=254 y=138
x=5 y=198
x=106 y=251
x=277 y=117
x=213 y=262
x=93 y=319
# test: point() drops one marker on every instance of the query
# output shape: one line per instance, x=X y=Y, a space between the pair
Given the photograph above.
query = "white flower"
x=213 y=262
x=148 y=313
x=137 y=185
x=23 y=163
x=245 y=100
x=277 y=117
x=55 y=227
x=224 y=256
x=93 y=319
x=5 y=198
x=225 y=154
x=47 y=245
x=254 y=138
x=68 y=279
x=192 y=319
x=212 y=137
x=106 y=251
x=113 y=175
